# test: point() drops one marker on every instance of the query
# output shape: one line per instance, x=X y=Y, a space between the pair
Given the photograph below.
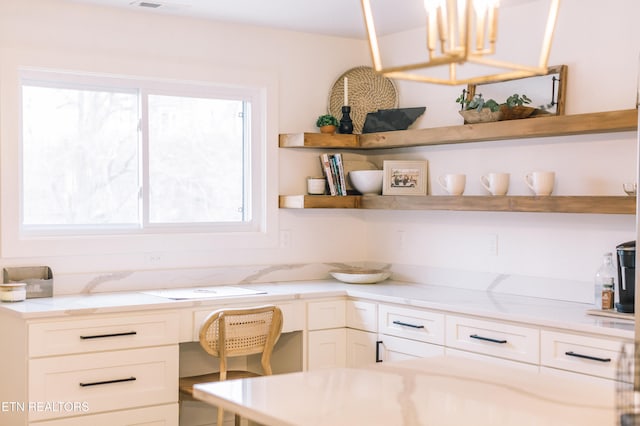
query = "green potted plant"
x=327 y=123
x=516 y=107
x=477 y=109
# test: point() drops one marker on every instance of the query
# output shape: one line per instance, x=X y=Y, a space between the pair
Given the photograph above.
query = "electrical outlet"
x=492 y=244
x=285 y=238
x=153 y=258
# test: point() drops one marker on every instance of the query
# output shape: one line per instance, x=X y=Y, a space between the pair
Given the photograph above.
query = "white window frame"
x=260 y=232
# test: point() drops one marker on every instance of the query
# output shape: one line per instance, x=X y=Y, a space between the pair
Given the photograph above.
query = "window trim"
x=264 y=175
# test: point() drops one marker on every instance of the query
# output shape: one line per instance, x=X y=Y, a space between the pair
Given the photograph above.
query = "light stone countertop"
x=523 y=309
x=428 y=391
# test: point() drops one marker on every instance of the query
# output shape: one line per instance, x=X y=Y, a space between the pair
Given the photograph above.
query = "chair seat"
x=186 y=383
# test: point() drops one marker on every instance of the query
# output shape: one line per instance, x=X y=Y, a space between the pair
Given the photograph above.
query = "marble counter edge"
x=576 y=321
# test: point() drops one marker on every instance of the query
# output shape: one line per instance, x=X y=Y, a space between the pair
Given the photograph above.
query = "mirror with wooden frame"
x=547 y=92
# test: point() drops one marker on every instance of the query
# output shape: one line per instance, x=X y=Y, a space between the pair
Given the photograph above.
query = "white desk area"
x=127 y=348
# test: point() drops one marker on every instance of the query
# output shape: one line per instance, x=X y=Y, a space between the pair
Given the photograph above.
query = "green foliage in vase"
x=517 y=100
x=326 y=120
x=477 y=103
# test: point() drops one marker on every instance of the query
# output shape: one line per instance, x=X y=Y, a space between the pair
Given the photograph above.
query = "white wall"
x=600 y=47
x=69 y=35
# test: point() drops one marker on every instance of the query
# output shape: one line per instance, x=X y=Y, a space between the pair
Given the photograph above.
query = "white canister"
x=13 y=292
x=316 y=185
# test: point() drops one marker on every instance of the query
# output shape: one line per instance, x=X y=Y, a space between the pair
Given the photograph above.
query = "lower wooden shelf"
x=551 y=204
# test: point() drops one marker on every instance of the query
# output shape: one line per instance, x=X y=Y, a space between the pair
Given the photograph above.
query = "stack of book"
x=333 y=170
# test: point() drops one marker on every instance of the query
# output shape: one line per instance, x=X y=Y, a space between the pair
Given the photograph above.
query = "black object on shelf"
x=346 y=125
x=386 y=120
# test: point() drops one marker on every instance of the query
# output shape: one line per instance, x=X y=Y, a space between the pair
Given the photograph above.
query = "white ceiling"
x=330 y=17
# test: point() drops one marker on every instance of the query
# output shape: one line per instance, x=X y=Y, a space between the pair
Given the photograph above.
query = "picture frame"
x=404 y=177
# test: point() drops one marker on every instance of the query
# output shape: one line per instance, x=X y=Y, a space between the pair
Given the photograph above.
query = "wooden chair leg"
x=237 y=420
x=220 y=421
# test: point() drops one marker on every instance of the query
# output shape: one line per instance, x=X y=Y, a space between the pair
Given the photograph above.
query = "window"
x=104 y=154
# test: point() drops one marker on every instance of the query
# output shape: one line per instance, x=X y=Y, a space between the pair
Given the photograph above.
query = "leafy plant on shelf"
x=477 y=103
x=326 y=120
x=517 y=100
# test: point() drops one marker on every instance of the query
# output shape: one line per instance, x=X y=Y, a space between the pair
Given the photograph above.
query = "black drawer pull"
x=407 y=324
x=100 y=336
x=107 y=382
x=378 y=343
x=592 y=358
x=488 y=339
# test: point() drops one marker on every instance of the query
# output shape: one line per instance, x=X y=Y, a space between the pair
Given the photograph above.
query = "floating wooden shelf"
x=552 y=204
x=319 y=202
x=561 y=125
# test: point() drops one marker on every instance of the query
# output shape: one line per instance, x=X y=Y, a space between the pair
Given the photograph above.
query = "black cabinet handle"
x=592 y=358
x=378 y=343
x=488 y=339
x=101 y=336
x=107 y=382
x=406 y=324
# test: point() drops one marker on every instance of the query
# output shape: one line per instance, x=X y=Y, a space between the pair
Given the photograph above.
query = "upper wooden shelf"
x=551 y=204
x=560 y=125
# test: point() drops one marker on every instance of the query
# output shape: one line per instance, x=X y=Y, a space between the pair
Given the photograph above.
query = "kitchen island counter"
x=430 y=391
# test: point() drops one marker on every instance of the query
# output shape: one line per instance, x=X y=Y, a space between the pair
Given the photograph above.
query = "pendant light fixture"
x=459 y=32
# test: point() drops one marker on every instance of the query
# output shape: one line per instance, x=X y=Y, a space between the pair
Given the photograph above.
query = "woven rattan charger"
x=369 y=91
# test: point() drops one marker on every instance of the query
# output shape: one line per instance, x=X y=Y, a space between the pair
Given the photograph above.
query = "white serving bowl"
x=367 y=182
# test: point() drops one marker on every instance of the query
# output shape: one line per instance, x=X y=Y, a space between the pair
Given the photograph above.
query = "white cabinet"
x=96 y=334
x=327 y=348
x=149 y=416
x=596 y=356
x=411 y=323
x=362 y=315
x=362 y=324
x=327 y=335
x=405 y=333
x=102 y=369
x=493 y=338
x=361 y=348
x=391 y=348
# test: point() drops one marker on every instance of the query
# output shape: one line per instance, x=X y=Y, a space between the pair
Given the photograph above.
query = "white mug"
x=541 y=183
x=452 y=183
x=496 y=183
x=316 y=186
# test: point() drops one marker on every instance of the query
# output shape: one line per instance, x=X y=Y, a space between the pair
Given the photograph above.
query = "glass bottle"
x=605 y=274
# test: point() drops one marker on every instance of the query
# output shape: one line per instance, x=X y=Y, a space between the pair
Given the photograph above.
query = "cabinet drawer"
x=362 y=315
x=292 y=317
x=493 y=338
x=326 y=314
x=396 y=349
x=582 y=354
x=411 y=323
x=104 y=381
x=162 y=415
x=102 y=333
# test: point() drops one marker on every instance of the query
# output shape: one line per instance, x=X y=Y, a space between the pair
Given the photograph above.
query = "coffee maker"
x=626 y=277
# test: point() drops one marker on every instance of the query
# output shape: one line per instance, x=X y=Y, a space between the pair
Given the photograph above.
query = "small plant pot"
x=516 y=112
x=330 y=129
x=483 y=116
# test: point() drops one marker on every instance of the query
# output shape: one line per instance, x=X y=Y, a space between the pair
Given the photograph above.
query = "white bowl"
x=360 y=276
x=367 y=182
